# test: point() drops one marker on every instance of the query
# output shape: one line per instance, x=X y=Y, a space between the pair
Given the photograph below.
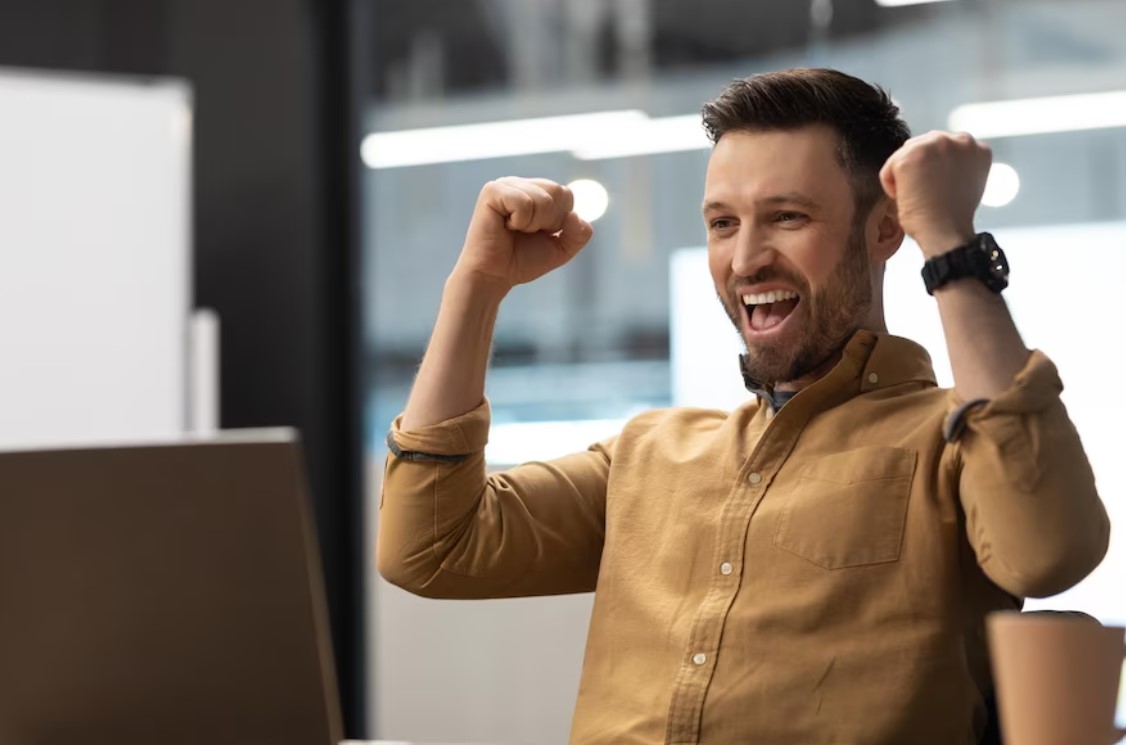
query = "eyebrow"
x=776 y=199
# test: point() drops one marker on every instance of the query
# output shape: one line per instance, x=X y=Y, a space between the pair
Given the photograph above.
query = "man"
x=816 y=565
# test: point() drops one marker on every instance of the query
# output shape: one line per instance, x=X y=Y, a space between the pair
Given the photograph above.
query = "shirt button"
x=755 y=477
x=699 y=658
x=726 y=568
x=873 y=378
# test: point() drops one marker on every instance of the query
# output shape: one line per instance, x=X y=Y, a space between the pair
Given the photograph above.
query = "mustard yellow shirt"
x=816 y=575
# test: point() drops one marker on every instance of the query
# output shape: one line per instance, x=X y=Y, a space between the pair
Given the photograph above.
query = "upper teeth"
x=769 y=297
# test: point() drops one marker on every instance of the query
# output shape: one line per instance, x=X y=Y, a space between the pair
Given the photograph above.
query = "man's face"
x=789 y=266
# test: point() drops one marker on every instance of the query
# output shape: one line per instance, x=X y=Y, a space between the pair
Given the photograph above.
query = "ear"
x=883 y=231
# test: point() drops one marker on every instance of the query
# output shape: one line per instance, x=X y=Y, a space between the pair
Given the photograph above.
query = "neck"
x=875 y=323
x=821 y=370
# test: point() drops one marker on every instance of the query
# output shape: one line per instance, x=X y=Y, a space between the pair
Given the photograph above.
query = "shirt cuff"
x=1034 y=388
x=452 y=439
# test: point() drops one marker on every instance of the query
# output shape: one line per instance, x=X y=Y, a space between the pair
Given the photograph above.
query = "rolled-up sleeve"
x=448 y=529
x=1033 y=515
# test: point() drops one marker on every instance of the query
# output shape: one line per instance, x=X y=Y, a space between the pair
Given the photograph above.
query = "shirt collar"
x=879 y=359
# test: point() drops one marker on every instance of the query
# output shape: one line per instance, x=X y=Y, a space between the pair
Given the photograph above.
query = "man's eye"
x=789 y=216
x=720 y=223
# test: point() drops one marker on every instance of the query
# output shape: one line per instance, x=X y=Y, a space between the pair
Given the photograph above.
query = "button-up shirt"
x=819 y=574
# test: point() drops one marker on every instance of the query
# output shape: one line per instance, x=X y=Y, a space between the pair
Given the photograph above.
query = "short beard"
x=829 y=318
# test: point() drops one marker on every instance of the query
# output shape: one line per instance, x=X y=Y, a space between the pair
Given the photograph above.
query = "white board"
x=95 y=178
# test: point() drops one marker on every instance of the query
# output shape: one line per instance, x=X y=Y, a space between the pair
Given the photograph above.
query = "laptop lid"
x=164 y=593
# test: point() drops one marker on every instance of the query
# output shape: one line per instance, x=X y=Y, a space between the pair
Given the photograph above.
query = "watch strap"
x=979 y=259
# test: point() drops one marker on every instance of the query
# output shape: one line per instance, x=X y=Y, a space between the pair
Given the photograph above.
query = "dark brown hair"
x=868 y=125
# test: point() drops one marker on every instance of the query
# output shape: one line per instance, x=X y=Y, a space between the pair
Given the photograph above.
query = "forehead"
x=746 y=167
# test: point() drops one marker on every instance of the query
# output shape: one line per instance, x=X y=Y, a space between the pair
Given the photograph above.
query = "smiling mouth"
x=767 y=310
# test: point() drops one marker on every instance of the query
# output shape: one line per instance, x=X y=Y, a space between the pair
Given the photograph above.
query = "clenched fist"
x=521 y=229
x=937 y=180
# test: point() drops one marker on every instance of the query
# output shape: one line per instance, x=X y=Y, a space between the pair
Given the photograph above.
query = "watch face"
x=998 y=263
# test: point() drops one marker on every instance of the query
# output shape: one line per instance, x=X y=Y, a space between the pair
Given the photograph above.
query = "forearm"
x=986 y=350
x=521 y=229
x=451 y=379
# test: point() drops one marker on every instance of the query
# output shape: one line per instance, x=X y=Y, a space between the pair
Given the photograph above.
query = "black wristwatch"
x=981 y=259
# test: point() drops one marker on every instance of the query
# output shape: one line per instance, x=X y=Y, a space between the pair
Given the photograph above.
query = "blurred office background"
x=327 y=217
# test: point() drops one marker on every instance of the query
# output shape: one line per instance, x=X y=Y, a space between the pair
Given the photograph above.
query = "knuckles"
x=937 y=146
x=526 y=199
x=490 y=191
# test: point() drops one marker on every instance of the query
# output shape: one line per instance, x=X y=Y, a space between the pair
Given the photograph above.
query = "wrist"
x=467 y=286
x=964 y=286
x=979 y=259
x=938 y=243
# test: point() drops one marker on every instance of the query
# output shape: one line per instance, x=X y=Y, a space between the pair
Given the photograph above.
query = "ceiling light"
x=901 y=3
x=415 y=147
x=1002 y=185
x=1030 y=116
x=665 y=135
x=595 y=136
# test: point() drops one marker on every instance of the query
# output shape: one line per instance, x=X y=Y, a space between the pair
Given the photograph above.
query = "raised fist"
x=937 y=180
x=522 y=229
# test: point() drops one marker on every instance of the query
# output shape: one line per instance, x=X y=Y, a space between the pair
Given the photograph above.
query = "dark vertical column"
x=276 y=215
x=134 y=35
x=342 y=51
x=276 y=255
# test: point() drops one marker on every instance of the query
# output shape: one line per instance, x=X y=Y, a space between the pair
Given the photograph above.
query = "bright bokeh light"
x=591 y=198
x=1002 y=185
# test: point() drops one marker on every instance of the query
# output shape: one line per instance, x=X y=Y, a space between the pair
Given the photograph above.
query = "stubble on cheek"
x=826 y=319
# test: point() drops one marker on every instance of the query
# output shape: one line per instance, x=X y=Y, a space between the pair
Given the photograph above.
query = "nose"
x=752 y=252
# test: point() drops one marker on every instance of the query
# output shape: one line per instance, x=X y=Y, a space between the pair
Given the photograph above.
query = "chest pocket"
x=849 y=509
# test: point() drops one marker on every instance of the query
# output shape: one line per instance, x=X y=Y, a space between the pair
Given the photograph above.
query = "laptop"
x=163 y=594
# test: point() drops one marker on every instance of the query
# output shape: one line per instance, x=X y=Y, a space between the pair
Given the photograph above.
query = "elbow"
x=392 y=569
x=405 y=554
x=1042 y=584
x=1054 y=567
x=418 y=574
x=395 y=567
